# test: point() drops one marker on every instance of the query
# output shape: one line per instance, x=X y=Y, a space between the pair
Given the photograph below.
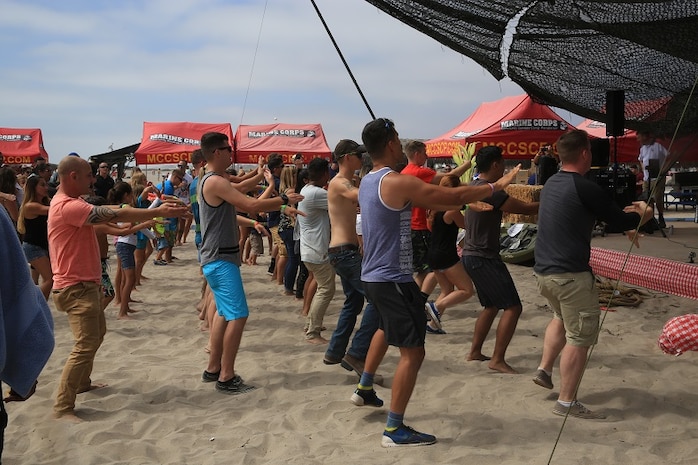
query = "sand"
x=157 y=411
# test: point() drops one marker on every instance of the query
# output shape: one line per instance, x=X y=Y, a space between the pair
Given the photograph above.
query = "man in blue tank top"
x=386 y=199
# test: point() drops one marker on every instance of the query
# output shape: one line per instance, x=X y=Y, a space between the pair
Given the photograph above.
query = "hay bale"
x=524 y=193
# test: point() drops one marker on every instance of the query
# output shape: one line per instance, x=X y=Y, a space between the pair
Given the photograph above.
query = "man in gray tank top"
x=220 y=259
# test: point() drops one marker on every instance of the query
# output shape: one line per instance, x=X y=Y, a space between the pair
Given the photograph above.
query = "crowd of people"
x=374 y=215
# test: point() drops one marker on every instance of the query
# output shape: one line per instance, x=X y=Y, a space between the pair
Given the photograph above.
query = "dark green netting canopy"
x=569 y=53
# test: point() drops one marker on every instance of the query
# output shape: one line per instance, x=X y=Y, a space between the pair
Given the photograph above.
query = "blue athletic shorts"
x=226 y=284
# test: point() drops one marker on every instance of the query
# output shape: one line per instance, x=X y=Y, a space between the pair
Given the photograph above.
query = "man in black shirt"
x=569 y=206
x=103 y=180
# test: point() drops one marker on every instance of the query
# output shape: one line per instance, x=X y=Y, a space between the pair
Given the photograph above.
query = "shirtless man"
x=77 y=275
x=345 y=257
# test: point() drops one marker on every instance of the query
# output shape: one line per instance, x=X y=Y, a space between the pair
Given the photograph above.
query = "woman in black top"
x=32 y=223
x=454 y=282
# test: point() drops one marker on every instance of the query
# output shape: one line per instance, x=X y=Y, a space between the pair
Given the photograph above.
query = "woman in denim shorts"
x=122 y=194
x=32 y=224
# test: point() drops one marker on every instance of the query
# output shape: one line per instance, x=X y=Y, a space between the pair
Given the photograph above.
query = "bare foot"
x=124 y=317
x=207 y=350
x=479 y=357
x=502 y=367
x=130 y=310
x=319 y=340
x=92 y=387
x=144 y=277
x=68 y=418
x=134 y=301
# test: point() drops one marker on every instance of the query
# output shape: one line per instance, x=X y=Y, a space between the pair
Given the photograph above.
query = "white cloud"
x=89 y=73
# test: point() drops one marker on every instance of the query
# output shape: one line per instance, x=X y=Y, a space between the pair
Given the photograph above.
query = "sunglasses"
x=104 y=167
x=356 y=154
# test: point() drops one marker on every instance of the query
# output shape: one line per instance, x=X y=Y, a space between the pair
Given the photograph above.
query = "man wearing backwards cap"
x=345 y=257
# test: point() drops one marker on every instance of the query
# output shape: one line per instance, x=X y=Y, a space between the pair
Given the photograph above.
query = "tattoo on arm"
x=101 y=215
x=349 y=185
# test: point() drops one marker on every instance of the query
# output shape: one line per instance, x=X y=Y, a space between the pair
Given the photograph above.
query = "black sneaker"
x=208 y=377
x=233 y=386
x=366 y=397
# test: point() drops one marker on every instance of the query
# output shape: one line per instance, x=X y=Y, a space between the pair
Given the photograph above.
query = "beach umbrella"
x=568 y=53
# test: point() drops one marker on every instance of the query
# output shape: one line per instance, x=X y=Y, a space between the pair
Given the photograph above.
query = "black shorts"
x=494 y=284
x=421 y=240
x=401 y=310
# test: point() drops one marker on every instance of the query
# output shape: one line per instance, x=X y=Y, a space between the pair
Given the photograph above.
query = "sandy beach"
x=156 y=410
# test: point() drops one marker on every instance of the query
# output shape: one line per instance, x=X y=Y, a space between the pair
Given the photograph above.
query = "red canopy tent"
x=170 y=143
x=21 y=146
x=283 y=138
x=516 y=124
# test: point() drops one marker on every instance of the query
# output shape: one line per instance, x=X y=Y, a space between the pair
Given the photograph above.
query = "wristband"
x=283 y=208
x=491 y=187
x=254 y=223
x=284 y=199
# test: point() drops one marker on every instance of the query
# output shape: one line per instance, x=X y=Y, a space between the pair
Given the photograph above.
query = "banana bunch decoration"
x=466 y=153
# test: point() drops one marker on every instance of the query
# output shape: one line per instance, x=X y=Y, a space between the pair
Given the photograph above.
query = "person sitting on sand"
x=495 y=286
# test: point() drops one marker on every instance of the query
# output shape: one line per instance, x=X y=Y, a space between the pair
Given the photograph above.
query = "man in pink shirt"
x=75 y=259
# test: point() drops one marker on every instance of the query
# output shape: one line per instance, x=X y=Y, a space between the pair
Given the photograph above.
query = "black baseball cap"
x=346 y=146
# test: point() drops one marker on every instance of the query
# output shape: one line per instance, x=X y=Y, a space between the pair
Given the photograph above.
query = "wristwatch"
x=284 y=199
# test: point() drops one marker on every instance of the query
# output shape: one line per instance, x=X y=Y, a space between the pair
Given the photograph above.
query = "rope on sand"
x=613 y=294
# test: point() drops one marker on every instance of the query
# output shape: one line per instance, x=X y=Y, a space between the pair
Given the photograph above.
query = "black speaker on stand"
x=615 y=113
x=615 y=127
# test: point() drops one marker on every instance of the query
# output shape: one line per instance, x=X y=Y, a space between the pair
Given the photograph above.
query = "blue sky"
x=89 y=72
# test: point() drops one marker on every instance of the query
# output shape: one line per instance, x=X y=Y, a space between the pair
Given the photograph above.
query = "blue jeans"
x=347 y=265
x=292 y=261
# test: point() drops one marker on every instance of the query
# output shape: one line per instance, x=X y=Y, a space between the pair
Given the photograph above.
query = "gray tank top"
x=386 y=233
x=219 y=229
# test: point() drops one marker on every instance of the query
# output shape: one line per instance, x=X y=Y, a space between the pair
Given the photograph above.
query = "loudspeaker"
x=600 y=152
x=615 y=113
